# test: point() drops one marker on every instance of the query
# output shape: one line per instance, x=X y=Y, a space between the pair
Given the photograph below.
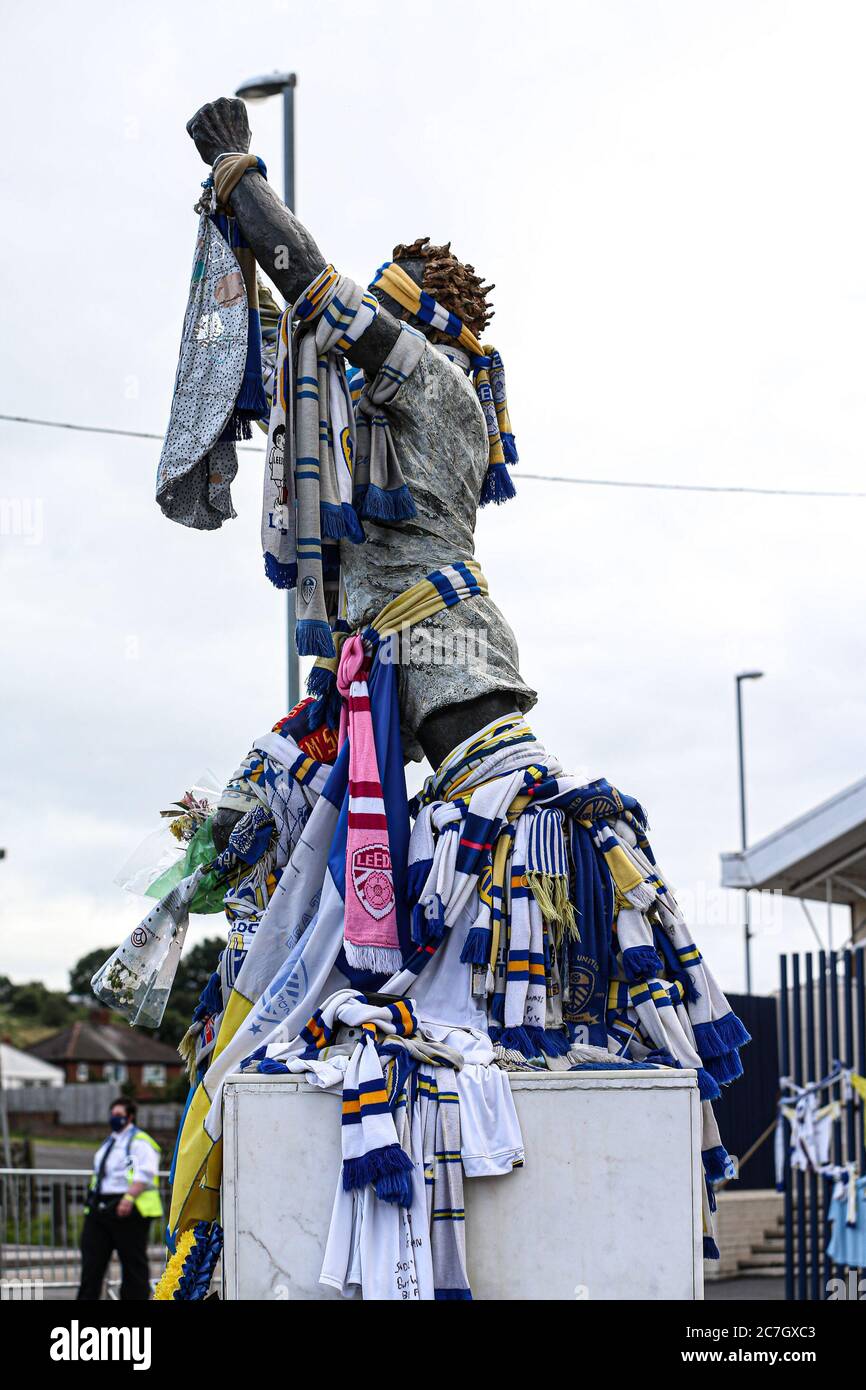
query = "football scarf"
x=370 y=937
x=486 y=368
x=371 y=1150
x=439 y=1106
x=307 y=501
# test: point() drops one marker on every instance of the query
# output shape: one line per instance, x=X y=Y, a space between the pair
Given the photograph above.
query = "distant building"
x=19 y=1070
x=94 y=1051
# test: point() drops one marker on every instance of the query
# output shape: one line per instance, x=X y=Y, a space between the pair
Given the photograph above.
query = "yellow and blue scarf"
x=488 y=373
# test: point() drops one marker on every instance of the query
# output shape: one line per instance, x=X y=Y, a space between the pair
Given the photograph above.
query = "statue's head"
x=452 y=283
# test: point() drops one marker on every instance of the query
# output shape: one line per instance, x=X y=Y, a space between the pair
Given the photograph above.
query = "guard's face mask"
x=118 y=1122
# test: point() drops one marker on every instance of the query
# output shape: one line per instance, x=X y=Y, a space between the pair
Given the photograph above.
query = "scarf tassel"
x=313 y=637
x=725 y=1069
x=338 y=521
x=662 y=1057
x=374 y=503
x=354 y=529
x=515 y=1040
x=718 y=1163
x=187 y=1047
x=708 y=1042
x=252 y=403
x=708 y=1087
x=389 y=1169
x=549 y=1041
x=379 y=960
x=322 y=685
x=550 y=891
x=476 y=947
x=509 y=447
x=321 y=682
x=642 y=897
x=731 y=1031
x=711 y=1250
x=531 y=1040
x=497 y=486
x=281 y=576
x=452 y=1295
x=236 y=429
x=642 y=963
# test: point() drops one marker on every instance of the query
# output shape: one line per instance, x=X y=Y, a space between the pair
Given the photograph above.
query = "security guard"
x=122 y=1201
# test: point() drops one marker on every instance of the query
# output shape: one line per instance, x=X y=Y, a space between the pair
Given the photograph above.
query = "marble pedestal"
x=608 y=1205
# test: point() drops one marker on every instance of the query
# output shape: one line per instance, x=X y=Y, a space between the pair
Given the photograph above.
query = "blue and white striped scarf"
x=323 y=473
x=493 y=786
x=439 y=1105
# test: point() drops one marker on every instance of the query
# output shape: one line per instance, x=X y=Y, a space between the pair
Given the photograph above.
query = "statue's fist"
x=220 y=127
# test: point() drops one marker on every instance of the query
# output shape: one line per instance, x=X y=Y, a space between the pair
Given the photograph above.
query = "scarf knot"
x=354 y=664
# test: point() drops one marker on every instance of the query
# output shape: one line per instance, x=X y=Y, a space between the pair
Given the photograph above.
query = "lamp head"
x=257 y=88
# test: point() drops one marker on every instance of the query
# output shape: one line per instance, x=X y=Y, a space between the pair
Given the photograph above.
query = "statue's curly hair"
x=452 y=283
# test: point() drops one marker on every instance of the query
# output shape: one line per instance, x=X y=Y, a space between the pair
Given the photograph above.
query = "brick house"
x=91 y=1050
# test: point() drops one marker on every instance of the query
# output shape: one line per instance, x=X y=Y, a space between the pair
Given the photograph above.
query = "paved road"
x=48 y=1155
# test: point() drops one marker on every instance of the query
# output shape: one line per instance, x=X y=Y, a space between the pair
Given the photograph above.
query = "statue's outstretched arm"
x=283 y=247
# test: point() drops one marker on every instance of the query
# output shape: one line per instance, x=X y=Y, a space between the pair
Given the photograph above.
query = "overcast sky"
x=670 y=199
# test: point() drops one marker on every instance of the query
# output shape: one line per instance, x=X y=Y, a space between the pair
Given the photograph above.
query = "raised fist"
x=220 y=127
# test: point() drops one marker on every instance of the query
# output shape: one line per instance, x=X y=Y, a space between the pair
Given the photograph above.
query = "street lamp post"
x=256 y=89
x=747 y=930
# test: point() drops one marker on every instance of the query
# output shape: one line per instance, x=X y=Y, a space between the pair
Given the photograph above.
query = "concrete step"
x=765 y=1257
x=761 y=1271
x=778 y=1241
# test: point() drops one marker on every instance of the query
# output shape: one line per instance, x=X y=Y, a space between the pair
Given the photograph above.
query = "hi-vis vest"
x=148 y=1202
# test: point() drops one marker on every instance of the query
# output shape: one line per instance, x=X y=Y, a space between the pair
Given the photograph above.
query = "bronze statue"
x=443 y=450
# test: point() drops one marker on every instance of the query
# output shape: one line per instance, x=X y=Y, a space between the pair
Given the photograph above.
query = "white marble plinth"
x=608 y=1205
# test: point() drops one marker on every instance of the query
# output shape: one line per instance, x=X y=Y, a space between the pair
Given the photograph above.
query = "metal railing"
x=41 y=1218
x=822 y=1020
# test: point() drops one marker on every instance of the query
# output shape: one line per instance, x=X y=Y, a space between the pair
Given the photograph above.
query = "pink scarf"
x=370 y=929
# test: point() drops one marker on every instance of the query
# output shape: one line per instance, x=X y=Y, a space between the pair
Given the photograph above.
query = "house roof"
x=827 y=843
x=87 y=1041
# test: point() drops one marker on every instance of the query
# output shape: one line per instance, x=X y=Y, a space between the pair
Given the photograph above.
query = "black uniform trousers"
x=104 y=1233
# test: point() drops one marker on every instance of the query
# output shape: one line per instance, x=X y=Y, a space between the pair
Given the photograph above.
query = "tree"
x=36 y=1004
x=84 y=970
x=29 y=999
x=195 y=969
x=56 y=1011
